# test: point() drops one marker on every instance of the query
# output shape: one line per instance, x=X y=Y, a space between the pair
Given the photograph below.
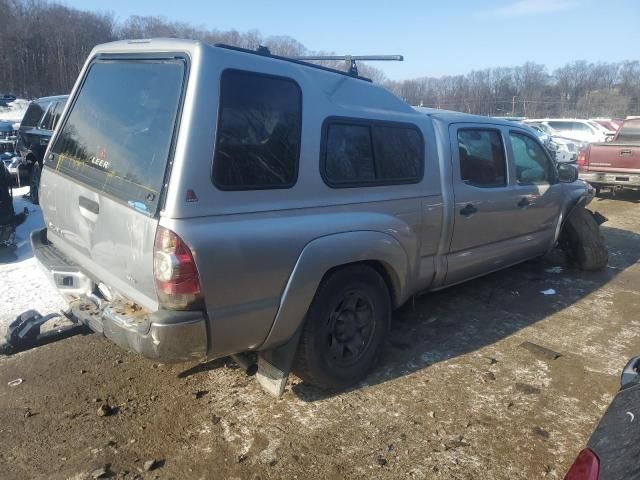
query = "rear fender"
x=321 y=255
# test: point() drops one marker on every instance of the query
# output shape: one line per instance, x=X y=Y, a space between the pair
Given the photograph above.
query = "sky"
x=445 y=37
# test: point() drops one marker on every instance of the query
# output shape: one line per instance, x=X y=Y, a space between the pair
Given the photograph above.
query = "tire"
x=34 y=183
x=583 y=242
x=344 y=329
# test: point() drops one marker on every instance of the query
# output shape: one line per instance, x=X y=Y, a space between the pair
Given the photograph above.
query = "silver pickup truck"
x=203 y=201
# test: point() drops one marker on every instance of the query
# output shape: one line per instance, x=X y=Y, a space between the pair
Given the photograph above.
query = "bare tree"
x=43 y=46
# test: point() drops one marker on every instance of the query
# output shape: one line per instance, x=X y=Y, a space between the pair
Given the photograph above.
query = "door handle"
x=524 y=202
x=468 y=210
x=626 y=152
x=89 y=205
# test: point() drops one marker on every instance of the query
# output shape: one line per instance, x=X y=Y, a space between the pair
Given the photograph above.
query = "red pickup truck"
x=614 y=164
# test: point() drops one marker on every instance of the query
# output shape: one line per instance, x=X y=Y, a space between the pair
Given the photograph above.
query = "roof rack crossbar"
x=363 y=58
x=350 y=60
x=305 y=60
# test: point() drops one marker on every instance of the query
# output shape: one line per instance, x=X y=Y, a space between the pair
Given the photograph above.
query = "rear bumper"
x=164 y=335
x=611 y=179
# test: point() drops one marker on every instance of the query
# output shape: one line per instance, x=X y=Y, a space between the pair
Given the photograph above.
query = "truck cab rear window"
x=357 y=153
x=259 y=127
x=118 y=134
x=629 y=132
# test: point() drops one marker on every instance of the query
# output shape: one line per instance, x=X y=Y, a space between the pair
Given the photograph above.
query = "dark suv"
x=6 y=99
x=34 y=134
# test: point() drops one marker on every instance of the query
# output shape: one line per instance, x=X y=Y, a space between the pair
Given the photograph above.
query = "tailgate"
x=614 y=157
x=107 y=165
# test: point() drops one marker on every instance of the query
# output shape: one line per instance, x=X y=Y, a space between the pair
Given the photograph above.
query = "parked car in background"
x=7 y=131
x=612 y=124
x=7 y=138
x=35 y=131
x=614 y=164
x=15 y=166
x=6 y=99
x=606 y=130
x=613 y=450
x=203 y=212
x=565 y=150
x=574 y=129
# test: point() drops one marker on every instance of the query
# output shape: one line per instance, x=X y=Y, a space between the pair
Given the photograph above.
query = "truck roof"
x=449 y=116
x=350 y=93
x=51 y=98
x=345 y=91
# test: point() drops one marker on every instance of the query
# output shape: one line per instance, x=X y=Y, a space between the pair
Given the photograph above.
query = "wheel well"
x=385 y=271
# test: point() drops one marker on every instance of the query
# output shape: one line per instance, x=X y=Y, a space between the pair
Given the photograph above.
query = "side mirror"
x=567 y=173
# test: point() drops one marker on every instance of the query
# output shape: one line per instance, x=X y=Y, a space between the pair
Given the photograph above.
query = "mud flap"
x=274 y=365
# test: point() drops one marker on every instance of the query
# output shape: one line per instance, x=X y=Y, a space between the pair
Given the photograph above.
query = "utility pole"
x=513 y=106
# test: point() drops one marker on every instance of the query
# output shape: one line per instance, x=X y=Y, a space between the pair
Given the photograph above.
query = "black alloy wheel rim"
x=350 y=329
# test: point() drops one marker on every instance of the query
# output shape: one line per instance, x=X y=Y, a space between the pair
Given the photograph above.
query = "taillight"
x=586 y=467
x=175 y=272
x=581 y=159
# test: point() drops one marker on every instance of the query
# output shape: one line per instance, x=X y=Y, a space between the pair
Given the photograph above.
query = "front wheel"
x=34 y=184
x=344 y=329
x=582 y=241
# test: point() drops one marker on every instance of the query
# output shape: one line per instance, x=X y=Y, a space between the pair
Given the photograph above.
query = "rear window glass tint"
x=258 y=139
x=482 y=158
x=361 y=153
x=398 y=153
x=118 y=135
x=630 y=132
x=33 y=114
x=56 y=114
x=349 y=154
x=47 y=120
x=532 y=165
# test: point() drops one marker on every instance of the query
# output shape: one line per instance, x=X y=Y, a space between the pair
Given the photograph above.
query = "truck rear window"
x=118 y=134
x=629 y=132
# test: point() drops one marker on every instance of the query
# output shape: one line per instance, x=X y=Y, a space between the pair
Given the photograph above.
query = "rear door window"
x=482 y=160
x=118 y=134
x=259 y=128
x=56 y=114
x=47 y=120
x=33 y=114
x=533 y=167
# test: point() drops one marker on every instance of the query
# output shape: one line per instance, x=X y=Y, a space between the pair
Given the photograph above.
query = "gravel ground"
x=455 y=395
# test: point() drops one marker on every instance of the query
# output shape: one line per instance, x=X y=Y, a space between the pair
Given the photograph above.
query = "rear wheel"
x=582 y=241
x=344 y=329
x=34 y=184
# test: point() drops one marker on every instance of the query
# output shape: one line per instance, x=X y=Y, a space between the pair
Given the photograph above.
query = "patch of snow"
x=23 y=285
x=14 y=111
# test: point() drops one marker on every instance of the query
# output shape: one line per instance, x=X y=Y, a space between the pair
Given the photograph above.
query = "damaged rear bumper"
x=164 y=335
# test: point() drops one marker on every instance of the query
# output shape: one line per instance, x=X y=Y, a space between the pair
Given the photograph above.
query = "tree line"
x=578 y=89
x=43 y=46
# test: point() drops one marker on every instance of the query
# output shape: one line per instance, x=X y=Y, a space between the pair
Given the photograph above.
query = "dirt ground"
x=455 y=395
